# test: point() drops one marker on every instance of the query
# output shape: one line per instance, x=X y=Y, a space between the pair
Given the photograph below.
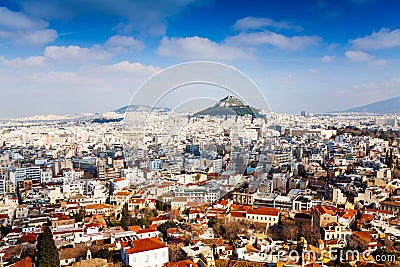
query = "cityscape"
x=198 y=134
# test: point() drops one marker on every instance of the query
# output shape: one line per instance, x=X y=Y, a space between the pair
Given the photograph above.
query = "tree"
x=175 y=253
x=163 y=228
x=311 y=234
x=159 y=205
x=290 y=230
x=104 y=254
x=79 y=216
x=47 y=253
x=212 y=222
x=4 y=230
x=126 y=218
x=228 y=229
x=142 y=222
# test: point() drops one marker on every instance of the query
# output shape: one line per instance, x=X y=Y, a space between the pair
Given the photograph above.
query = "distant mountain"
x=139 y=108
x=391 y=105
x=229 y=105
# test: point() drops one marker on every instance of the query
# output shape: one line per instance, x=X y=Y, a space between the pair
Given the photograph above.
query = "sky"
x=68 y=57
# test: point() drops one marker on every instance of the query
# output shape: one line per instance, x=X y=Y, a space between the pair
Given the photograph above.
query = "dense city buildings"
x=206 y=196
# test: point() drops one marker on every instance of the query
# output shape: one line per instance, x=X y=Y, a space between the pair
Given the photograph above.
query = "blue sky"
x=59 y=57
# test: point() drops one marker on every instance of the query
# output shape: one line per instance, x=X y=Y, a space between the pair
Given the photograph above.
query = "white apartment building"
x=149 y=252
x=118 y=184
x=2 y=183
x=72 y=187
x=26 y=173
x=46 y=176
x=73 y=174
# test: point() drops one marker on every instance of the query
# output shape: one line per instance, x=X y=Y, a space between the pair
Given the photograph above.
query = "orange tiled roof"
x=135 y=228
x=27 y=262
x=143 y=231
x=145 y=245
x=238 y=214
x=349 y=214
x=29 y=237
x=137 y=200
x=99 y=206
x=123 y=194
x=264 y=211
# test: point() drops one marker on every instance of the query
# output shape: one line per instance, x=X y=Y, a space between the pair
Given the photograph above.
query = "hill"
x=391 y=105
x=139 y=108
x=229 y=105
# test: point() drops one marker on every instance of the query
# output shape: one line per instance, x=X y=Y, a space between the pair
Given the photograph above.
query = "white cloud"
x=384 y=38
x=124 y=42
x=125 y=68
x=274 y=39
x=17 y=20
x=199 y=48
x=35 y=37
x=75 y=53
x=327 y=58
x=358 y=56
x=389 y=86
x=26 y=63
x=249 y=23
x=21 y=29
x=80 y=88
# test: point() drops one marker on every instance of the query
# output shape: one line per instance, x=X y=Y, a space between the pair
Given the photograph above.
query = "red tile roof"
x=238 y=214
x=29 y=237
x=143 y=231
x=145 y=245
x=264 y=211
x=27 y=262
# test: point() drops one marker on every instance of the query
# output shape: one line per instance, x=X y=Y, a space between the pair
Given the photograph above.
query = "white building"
x=46 y=176
x=149 y=252
x=270 y=216
x=336 y=231
x=27 y=173
x=73 y=174
x=118 y=184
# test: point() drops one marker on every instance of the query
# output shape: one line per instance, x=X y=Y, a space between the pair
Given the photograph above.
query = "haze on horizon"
x=84 y=56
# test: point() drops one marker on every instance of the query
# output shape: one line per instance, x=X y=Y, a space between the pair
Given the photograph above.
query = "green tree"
x=4 y=230
x=79 y=216
x=126 y=218
x=141 y=222
x=104 y=254
x=159 y=205
x=212 y=222
x=163 y=228
x=47 y=253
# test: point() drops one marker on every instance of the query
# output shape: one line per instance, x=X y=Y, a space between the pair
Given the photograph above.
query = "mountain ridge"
x=134 y=108
x=391 y=105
